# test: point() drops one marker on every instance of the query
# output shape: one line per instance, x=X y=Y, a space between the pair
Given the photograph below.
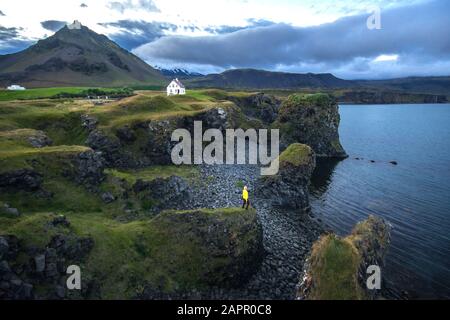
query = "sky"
x=208 y=36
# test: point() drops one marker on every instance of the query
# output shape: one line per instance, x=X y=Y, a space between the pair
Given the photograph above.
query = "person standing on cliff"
x=245 y=200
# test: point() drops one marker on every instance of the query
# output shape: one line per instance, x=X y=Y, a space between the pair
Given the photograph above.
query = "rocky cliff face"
x=289 y=188
x=28 y=271
x=146 y=143
x=337 y=267
x=312 y=119
x=228 y=242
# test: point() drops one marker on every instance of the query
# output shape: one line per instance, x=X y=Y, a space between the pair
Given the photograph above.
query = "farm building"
x=15 y=87
x=175 y=87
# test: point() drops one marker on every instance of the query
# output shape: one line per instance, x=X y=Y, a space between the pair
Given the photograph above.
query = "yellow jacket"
x=245 y=194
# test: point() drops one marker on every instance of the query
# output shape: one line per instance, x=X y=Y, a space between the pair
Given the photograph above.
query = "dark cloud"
x=121 y=6
x=53 y=25
x=83 y=5
x=412 y=32
x=8 y=33
x=133 y=33
x=11 y=41
x=2 y=14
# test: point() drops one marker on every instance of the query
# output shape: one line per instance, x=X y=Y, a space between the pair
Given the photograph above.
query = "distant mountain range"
x=260 y=79
x=178 y=73
x=76 y=56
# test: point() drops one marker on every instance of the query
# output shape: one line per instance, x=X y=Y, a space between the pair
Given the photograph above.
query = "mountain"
x=76 y=56
x=178 y=73
x=401 y=90
x=261 y=79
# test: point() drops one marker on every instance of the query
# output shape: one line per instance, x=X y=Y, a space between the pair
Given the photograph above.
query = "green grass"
x=42 y=93
x=296 y=154
x=59 y=119
x=150 y=106
x=190 y=173
x=334 y=265
x=321 y=99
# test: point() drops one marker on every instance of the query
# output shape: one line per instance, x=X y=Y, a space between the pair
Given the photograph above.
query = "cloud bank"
x=418 y=34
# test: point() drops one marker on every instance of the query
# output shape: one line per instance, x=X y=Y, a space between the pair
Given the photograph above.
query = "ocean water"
x=413 y=196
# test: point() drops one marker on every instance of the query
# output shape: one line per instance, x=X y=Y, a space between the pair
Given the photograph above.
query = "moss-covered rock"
x=289 y=187
x=312 y=119
x=337 y=267
x=170 y=255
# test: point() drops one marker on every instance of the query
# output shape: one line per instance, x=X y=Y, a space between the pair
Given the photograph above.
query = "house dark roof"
x=178 y=82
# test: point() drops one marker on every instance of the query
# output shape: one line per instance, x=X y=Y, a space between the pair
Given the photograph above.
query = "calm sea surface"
x=413 y=196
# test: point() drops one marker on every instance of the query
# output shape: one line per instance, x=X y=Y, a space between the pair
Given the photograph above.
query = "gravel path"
x=288 y=235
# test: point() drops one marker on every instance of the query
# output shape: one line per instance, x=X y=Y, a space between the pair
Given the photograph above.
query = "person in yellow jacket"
x=245 y=198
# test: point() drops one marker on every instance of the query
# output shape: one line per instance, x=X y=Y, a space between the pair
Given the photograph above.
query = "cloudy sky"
x=280 y=35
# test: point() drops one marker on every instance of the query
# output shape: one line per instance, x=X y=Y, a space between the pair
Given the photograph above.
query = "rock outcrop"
x=149 y=142
x=22 y=179
x=261 y=106
x=163 y=193
x=89 y=167
x=226 y=243
x=337 y=267
x=313 y=120
x=40 y=266
x=289 y=188
x=39 y=139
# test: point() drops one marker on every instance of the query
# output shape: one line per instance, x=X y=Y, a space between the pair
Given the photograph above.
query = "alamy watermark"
x=237 y=142
x=374 y=20
x=373 y=281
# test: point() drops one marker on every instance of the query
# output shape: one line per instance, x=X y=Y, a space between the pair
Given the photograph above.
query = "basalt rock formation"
x=289 y=187
x=312 y=120
x=337 y=267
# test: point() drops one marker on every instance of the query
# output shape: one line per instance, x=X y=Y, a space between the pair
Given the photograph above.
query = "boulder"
x=39 y=262
x=107 y=197
x=89 y=122
x=289 y=187
x=22 y=179
x=312 y=119
x=9 y=211
x=60 y=220
x=4 y=246
x=39 y=139
x=89 y=167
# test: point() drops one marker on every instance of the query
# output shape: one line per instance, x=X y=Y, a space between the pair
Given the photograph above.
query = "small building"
x=76 y=25
x=175 y=87
x=15 y=87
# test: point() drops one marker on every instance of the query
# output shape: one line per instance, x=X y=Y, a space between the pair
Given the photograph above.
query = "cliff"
x=312 y=119
x=289 y=187
x=337 y=267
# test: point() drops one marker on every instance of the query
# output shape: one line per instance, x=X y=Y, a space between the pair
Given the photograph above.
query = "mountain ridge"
x=255 y=79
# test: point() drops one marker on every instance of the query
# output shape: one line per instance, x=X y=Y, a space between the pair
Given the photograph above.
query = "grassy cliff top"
x=320 y=99
x=165 y=252
x=296 y=154
x=334 y=268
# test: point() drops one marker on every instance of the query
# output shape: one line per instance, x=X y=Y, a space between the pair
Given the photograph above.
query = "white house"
x=15 y=87
x=175 y=87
